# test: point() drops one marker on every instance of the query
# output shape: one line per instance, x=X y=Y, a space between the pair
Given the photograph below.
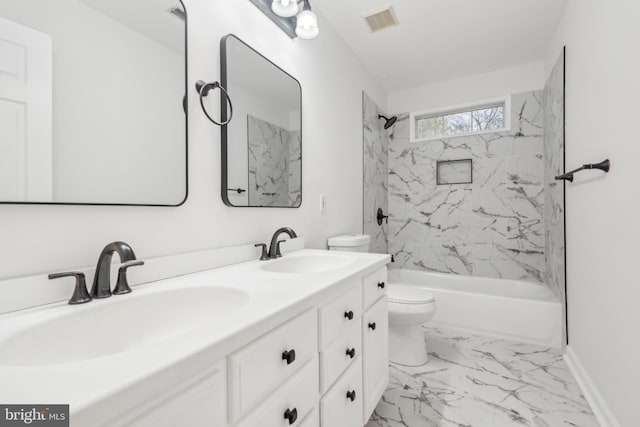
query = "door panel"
x=26 y=154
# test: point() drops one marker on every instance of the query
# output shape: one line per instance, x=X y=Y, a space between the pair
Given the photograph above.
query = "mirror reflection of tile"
x=274 y=164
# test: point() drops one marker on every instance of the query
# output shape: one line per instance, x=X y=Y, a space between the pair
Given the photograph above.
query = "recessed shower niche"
x=454 y=172
x=100 y=118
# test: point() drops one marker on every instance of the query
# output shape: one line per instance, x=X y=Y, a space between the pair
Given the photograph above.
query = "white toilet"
x=409 y=308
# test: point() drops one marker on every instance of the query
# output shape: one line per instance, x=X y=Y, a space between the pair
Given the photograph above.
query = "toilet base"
x=407 y=345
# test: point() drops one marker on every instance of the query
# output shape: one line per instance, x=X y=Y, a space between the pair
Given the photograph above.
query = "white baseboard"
x=594 y=398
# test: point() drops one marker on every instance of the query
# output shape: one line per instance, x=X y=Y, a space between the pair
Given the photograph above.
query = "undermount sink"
x=121 y=323
x=307 y=264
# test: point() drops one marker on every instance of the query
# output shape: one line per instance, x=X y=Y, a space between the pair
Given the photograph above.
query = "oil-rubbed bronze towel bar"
x=604 y=165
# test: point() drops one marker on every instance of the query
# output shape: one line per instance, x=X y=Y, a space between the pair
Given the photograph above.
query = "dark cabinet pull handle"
x=381 y=285
x=351 y=395
x=289 y=356
x=291 y=415
x=351 y=353
x=372 y=326
x=348 y=315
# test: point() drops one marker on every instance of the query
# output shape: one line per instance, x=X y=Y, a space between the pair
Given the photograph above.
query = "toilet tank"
x=350 y=243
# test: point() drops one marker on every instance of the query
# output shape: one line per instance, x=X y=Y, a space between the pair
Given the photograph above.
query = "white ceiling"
x=439 y=40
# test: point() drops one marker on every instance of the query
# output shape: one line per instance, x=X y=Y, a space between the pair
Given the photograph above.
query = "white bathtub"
x=511 y=309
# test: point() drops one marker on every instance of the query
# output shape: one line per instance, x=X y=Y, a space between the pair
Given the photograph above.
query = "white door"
x=25 y=114
x=375 y=353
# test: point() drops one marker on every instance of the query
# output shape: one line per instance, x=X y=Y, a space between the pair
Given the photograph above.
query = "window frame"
x=461 y=108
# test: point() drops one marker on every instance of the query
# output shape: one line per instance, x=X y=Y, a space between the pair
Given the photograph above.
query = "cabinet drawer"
x=311 y=420
x=374 y=286
x=375 y=354
x=338 y=355
x=340 y=313
x=261 y=366
x=342 y=405
x=295 y=399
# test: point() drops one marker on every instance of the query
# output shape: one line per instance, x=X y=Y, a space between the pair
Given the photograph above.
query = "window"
x=482 y=117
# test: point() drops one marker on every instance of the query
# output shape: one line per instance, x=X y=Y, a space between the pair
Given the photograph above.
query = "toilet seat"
x=406 y=294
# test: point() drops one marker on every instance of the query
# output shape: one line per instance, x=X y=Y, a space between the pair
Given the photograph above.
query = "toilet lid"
x=407 y=294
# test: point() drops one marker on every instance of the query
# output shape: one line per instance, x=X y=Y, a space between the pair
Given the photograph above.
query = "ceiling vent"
x=381 y=19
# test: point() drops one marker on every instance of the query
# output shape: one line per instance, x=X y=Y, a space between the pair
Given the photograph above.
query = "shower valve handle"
x=381 y=216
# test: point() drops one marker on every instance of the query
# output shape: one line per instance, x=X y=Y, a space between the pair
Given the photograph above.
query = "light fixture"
x=285 y=8
x=307 y=23
x=283 y=14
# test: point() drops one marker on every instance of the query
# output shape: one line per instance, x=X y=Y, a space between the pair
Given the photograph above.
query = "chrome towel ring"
x=203 y=90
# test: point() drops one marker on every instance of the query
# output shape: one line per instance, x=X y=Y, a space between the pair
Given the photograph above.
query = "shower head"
x=388 y=121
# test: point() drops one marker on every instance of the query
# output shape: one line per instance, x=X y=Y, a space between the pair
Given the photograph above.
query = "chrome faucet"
x=102 y=279
x=274 y=247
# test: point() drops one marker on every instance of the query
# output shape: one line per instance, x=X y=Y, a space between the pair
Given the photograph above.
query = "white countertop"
x=273 y=298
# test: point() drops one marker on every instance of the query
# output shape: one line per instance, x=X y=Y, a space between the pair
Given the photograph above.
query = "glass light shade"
x=284 y=8
x=307 y=25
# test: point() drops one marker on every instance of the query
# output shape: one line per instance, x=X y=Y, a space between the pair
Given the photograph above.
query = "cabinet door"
x=198 y=402
x=375 y=353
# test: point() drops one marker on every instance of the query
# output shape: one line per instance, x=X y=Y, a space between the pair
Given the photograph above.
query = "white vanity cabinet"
x=375 y=340
x=338 y=385
x=324 y=367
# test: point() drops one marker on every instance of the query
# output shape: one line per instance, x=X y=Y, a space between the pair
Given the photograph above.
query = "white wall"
x=602 y=94
x=54 y=238
x=519 y=79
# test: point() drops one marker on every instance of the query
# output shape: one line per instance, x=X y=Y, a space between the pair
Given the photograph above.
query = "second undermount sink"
x=118 y=324
x=315 y=263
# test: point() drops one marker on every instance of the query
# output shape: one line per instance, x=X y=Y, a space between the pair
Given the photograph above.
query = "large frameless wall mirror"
x=262 y=145
x=91 y=102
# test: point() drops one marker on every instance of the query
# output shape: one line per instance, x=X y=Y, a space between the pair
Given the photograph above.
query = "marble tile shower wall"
x=492 y=227
x=376 y=172
x=554 y=190
x=273 y=153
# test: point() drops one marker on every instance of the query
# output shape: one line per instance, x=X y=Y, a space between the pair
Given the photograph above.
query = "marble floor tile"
x=478 y=381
